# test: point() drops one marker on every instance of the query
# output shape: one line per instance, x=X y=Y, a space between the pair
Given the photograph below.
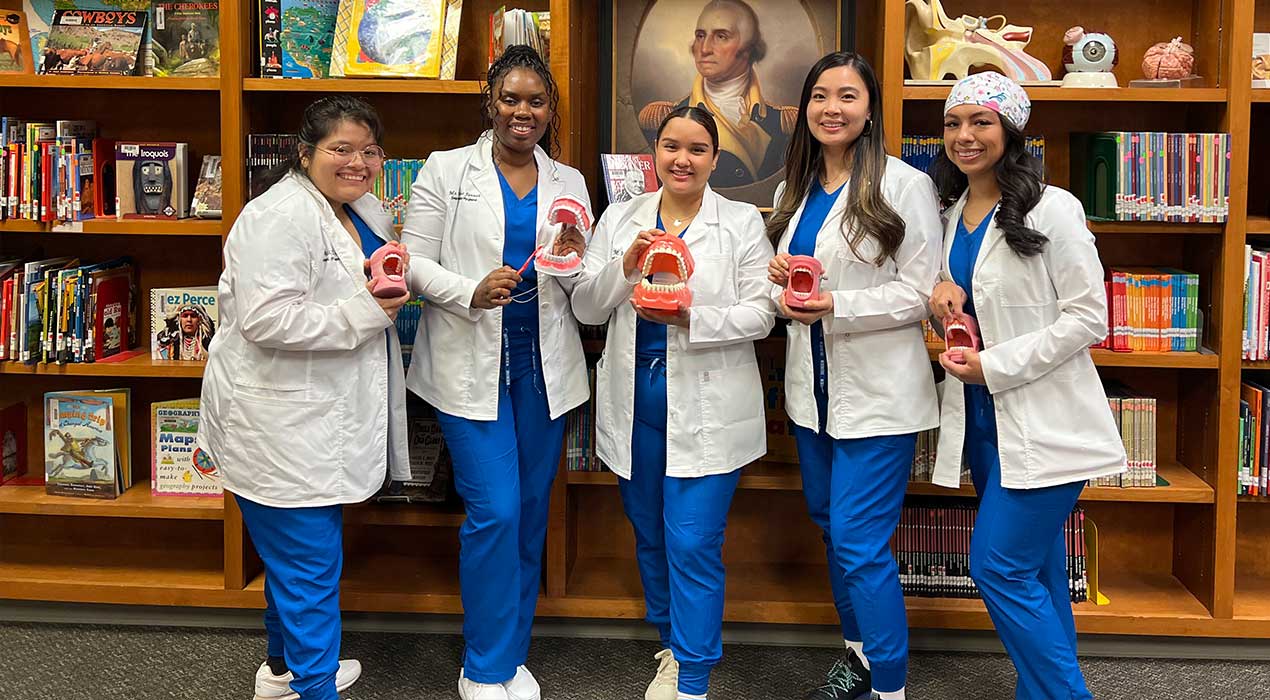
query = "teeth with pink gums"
x=564 y=211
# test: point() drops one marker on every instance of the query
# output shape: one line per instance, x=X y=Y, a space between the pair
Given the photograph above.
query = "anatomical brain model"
x=936 y=46
x=1168 y=61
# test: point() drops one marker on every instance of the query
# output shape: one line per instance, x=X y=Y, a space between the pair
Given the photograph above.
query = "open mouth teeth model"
x=804 y=281
x=387 y=268
x=565 y=212
x=666 y=267
x=961 y=332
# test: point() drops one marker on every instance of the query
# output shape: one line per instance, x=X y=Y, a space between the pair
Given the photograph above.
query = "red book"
x=110 y=299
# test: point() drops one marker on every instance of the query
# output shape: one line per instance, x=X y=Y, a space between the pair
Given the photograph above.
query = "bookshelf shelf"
x=1184 y=486
x=139 y=366
x=1205 y=359
x=108 y=82
x=1255 y=364
x=180 y=227
x=1261 y=95
x=356 y=85
x=1078 y=95
x=136 y=502
x=1155 y=227
x=1259 y=224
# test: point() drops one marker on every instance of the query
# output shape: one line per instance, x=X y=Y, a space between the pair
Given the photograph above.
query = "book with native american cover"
x=182 y=323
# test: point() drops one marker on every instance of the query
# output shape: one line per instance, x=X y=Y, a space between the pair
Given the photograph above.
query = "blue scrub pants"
x=1018 y=559
x=503 y=471
x=679 y=525
x=303 y=553
x=855 y=492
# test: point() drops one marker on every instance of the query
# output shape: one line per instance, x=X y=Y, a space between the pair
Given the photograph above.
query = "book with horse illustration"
x=15 y=44
x=93 y=42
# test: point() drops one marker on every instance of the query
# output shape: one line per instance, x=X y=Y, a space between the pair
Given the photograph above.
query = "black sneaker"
x=847 y=680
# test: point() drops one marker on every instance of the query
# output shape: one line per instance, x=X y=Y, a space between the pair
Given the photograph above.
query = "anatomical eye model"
x=388 y=271
x=565 y=212
x=804 y=281
x=960 y=332
x=1089 y=58
x=665 y=267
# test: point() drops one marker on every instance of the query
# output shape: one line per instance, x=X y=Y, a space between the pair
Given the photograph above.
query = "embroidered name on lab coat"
x=461 y=196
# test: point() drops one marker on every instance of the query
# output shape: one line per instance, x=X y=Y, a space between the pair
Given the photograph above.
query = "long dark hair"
x=522 y=56
x=697 y=114
x=867 y=211
x=321 y=118
x=1021 y=177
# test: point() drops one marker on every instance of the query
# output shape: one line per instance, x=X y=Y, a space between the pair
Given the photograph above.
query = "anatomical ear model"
x=565 y=211
x=936 y=45
x=388 y=271
x=804 y=281
x=665 y=267
x=961 y=331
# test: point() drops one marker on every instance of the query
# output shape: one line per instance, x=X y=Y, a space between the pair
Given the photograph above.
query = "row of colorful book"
x=1152 y=176
x=1254 y=438
x=932 y=549
x=392 y=187
x=58 y=310
x=1135 y=415
x=579 y=436
x=1153 y=309
x=1256 y=335
x=357 y=38
x=921 y=151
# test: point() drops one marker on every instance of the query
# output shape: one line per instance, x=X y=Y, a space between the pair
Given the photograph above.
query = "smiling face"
x=838 y=108
x=974 y=138
x=521 y=110
x=685 y=156
x=343 y=182
x=720 y=44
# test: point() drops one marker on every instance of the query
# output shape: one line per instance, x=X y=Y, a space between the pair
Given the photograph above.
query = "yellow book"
x=450 y=40
x=394 y=38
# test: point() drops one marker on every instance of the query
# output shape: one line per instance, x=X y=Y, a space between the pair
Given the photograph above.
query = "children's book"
x=86 y=443
x=185 y=38
x=182 y=323
x=400 y=38
x=177 y=466
x=93 y=42
x=151 y=180
x=207 y=191
x=15 y=44
x=296 y=38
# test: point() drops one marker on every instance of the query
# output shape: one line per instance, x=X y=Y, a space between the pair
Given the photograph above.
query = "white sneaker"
x=271 y=687
x=471 y=690
x=665 y=685
x=523 y=686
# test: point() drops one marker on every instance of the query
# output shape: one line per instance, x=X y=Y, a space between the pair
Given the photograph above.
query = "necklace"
x=680 y=220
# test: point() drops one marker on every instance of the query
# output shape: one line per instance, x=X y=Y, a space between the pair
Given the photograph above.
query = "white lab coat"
x=303 y=400
x=714 y=391
x=1037 y=315
x=455 y=233
x=880 y=379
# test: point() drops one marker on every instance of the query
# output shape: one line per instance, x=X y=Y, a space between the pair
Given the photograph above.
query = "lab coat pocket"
x=297 y=443
x=713 y=281
x=731 y=397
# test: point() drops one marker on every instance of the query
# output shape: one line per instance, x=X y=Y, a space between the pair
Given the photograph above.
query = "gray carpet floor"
x=81 y=662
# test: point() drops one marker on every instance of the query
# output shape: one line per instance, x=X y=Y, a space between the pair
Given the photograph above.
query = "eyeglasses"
x=343 y=155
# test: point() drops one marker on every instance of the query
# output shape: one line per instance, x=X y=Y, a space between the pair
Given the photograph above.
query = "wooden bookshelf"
x=1189 y=559
x=1061 y=94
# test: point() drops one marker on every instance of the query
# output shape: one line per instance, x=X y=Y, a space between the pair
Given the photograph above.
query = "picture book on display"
x=628 y=175
x=296 y=37
x=399 y=38
x=15 y=44
x=182 y=323
x=86 y=443
x=93 y=42
x=185 y=38
x=177 y=466
x=207 y=191
x=152 y=180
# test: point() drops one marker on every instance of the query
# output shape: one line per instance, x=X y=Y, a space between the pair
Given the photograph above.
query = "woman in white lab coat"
x=679 y=405
x=859 y=386
x=1027 y=412
x=303 y=402
x=502 y=360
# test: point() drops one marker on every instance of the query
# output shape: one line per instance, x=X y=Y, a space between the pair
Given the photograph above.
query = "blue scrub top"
x=650 y=336
x=964 y=253
x=815 y=211
x=370 y=242
x=520 y=239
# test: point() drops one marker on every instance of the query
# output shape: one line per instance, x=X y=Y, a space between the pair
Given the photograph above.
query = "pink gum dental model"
x=961 y=331
x=388 y=271
x=564 y=212
x=805 y=273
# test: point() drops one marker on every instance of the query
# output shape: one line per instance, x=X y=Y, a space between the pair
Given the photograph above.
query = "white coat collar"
x=484 y=174
x=990 y=237
x=644 y=215
x=367 y=207
x=834 y=215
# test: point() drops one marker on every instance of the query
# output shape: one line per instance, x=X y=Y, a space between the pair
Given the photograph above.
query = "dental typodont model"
x=804 y=281
x=960 y=332
x=565 y=212
x=388 y=271
x=665 y=266
x=936 y=45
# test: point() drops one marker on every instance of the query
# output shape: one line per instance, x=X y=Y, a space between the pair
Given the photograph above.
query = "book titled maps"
x=86 y=443
x=397 y=38
x=296 y=38
x=152 y=180
x=177 y=466
x=94 y=42
x=182 y=323
x=185 y=38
